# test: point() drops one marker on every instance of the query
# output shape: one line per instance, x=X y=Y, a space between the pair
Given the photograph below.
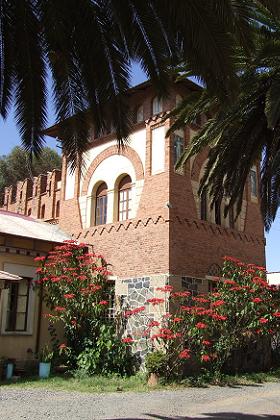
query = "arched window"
x=57 y=209
x=203 y=205
x=101 y=204
x=139 y=114
x=125 y=198
x=157 y=105
x=43 y=208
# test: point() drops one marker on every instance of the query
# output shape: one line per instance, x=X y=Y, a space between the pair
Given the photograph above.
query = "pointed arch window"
x=157 y=105
x=125 y=199
x=101 y=204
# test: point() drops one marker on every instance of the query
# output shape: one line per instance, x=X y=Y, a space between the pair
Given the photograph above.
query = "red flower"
x=232 y=259
x=155 y=301
x=103 y=302
x=218 y=303
x=257 y=300
x=134 y=311
x=177 y=319
x=153 y=324
x=62 y=346
x=201 y=326
x=181 y=294
x=185 y=354
x=229 y=282
x=39 y=259
x=69 y=295
x=200 y=299
x=59 y=308
x=127 y=340
x=277 y=314
x=205 y=358
x=218 y=317
x=263 y=320
x=206 y=342
x=165 y=289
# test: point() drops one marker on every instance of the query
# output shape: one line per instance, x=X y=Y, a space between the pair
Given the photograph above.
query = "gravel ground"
x=215 y=403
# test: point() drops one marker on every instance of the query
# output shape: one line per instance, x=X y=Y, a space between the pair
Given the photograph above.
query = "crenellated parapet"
x=38 y=197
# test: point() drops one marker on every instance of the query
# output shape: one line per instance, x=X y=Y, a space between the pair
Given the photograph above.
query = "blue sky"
x=9 y=138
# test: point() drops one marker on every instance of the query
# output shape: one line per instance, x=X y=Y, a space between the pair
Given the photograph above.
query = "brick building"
x=142 y=214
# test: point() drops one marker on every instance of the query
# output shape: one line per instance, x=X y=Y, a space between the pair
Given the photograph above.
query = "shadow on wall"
x=208 y=416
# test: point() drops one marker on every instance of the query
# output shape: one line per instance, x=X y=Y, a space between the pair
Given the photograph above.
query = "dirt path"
x=246 y=403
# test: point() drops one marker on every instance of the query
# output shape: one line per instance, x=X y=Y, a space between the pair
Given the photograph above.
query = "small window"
x=178 y=148
x=139 y=114
x=17 y=308
x=101 y=205
x=203 y=206
x=253 y=182
x=43 y=209
x=57 y=209
x=157 y=105
x=125 y=199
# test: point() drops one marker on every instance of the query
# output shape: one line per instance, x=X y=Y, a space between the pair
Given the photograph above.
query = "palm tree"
x=86 y=47
x=247 y=130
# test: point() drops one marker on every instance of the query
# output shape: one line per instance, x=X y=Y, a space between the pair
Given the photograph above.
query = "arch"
x=127 y=152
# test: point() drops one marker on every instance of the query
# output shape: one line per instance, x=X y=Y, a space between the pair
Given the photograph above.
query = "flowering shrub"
x=205 y=330
x=77 y=292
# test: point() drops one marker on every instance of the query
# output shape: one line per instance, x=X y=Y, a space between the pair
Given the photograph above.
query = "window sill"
x=16 y=333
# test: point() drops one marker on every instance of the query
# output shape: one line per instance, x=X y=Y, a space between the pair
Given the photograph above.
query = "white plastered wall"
x=110 y=171
x=137 y=141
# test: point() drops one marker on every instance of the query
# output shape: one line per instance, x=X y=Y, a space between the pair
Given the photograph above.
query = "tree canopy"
x=246 y=130
x=87 y=47
x=16 y=166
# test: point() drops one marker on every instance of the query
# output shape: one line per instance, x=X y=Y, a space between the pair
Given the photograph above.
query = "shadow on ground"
x=209 y=416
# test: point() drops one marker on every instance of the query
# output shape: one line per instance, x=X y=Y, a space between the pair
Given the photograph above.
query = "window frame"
x=126 y=188
x=253 y=182
x=101 y=202
x=157 y=105
x=11 y=321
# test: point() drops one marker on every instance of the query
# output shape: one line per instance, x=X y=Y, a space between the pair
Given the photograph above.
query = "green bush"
x=156 y=362
x=106 y=355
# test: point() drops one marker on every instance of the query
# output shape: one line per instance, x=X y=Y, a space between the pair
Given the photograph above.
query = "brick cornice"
x=127 y=151
x=184 y=223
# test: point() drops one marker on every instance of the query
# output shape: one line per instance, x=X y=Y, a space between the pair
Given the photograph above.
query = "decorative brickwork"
x=113 y=150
